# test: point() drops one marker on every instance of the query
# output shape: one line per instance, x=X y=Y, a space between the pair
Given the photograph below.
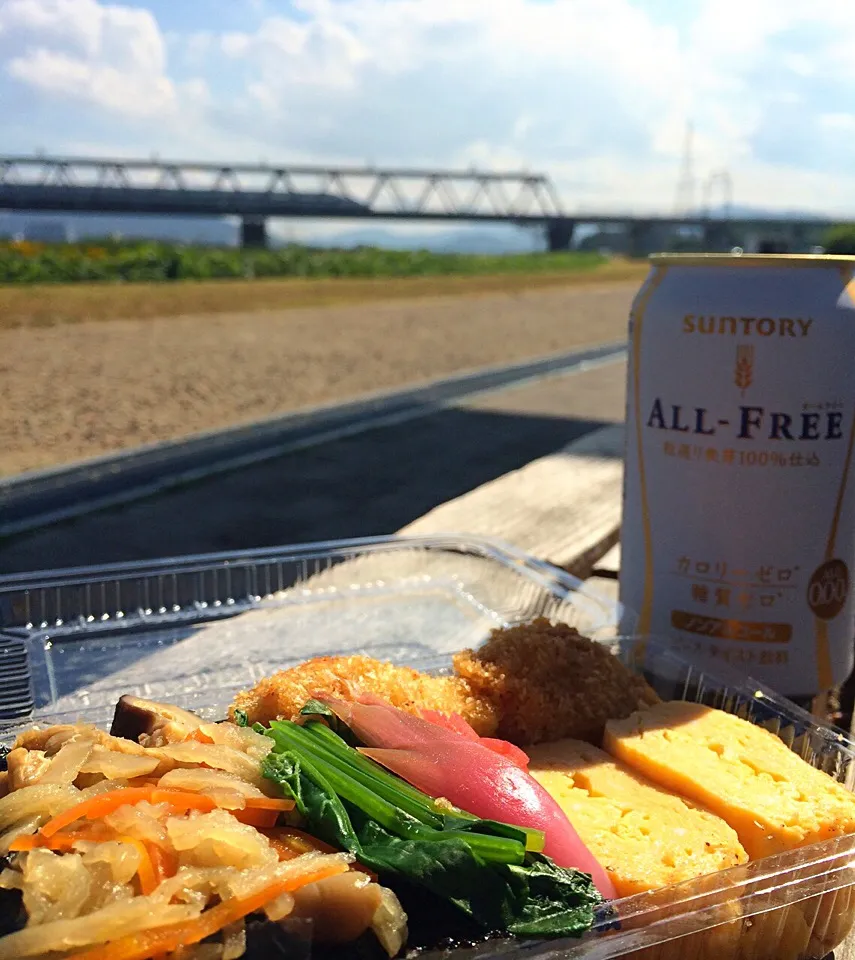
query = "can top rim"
x=759 y=259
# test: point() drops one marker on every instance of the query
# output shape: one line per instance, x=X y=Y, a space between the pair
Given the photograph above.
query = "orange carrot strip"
x=256 y=818
x=148 y=943
x=259 y=811
x=297 y=841
x=283 y=851
x=289 y=842
x=105 y=803
x=64 y=843
x=145 y=871
x=164 y=862
x=198 y=736
x=269 y=803
x=60 y=842
x=20 y=844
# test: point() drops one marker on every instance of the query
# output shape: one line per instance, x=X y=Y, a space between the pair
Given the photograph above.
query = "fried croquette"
x=284 y=694
x=548 y=682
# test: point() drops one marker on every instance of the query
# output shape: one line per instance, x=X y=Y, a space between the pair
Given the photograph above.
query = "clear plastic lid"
x=196 y=629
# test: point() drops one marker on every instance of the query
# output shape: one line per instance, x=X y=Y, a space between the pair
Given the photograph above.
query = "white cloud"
x=109 y=56
x=594 y=92
x=100 y=84
x=445 y=81
x=322 y=53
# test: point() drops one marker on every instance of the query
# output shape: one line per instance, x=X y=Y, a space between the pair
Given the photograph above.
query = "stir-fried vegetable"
x=98 y=807
x=482 y=867
x=180 y=849
x=166 y=939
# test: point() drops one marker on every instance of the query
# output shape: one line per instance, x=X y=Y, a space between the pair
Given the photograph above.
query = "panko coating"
x=548 y=682
x=283 y=695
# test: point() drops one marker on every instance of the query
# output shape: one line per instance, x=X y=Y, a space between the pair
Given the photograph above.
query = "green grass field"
x=43 y=286
x=25 y=262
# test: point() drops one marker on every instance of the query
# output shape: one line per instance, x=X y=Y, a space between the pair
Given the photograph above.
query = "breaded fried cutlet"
x=284 y=694
x=548 y=682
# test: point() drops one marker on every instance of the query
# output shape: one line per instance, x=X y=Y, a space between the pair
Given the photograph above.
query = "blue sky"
x=596 y=93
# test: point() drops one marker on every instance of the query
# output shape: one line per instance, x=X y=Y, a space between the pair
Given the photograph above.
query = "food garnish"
x=483 y=867
x=443 y=763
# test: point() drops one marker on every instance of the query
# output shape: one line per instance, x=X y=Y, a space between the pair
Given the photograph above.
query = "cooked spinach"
x=491 y=872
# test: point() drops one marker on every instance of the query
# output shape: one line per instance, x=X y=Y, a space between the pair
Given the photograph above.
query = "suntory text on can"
x=738 y=536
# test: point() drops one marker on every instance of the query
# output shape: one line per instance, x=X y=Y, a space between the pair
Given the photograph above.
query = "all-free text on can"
x=738 y=536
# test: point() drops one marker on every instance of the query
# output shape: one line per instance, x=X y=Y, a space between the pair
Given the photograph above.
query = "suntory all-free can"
x=738 y=535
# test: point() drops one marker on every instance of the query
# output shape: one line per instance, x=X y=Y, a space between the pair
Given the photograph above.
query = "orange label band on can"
x=738 y=535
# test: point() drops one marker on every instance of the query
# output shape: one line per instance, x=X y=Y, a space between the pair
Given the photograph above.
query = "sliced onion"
x=219 y=757
x=79 y=732
x=142 y=821
x=234 y=940
x=280 y=908
x=389 y=923
x=217 y=839
x=102 y=786
x=117 y=766
x=40 y=800
x=109 y=923
x=122 y=860
x=20 y=829
x=11 y=879
x=244 y=739
x=56 y=887
x=228 y=789
x=196 y=885
x=67 y=762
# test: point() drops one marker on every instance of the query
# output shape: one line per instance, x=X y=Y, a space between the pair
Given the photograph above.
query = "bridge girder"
x=254 y=192
x=151 y=186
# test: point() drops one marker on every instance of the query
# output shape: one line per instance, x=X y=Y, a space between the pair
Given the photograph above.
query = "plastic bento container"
x=194 y=630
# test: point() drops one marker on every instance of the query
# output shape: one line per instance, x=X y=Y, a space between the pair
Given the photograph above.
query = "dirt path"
x=71 y=392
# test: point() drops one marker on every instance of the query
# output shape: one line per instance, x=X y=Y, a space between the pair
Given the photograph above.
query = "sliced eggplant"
x=151 y=723
x=13 y=917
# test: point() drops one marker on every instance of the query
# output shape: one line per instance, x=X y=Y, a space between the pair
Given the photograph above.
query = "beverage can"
x=738 y=532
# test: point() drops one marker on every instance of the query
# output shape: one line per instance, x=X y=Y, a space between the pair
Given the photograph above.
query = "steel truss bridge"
x=256 y=192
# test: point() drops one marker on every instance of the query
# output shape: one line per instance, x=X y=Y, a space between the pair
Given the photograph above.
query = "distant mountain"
x=475 y=238
x=50 y=226
x=490 y=240
x=745 y=210
x=207 y=231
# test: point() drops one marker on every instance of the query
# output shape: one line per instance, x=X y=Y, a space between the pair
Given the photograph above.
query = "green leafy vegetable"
x=328 y=719
x=490 y=871
x=241 y=718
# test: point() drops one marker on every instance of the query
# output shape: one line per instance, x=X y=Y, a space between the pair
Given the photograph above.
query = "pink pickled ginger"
x=444 y=763
x=457 y=724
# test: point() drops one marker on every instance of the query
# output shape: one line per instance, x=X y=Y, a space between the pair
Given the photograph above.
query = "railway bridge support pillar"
x=559 y=234
x=253 y=232
x=718 y=237
x=640 y=238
